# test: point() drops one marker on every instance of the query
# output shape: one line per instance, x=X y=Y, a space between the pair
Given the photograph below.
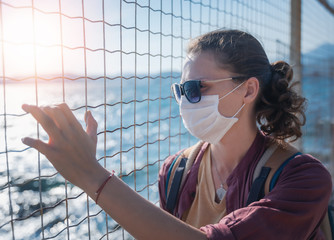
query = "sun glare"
x=31 y=42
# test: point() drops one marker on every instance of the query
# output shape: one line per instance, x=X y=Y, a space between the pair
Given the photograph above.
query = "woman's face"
x=203 y=67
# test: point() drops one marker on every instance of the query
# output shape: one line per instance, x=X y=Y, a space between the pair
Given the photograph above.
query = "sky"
x=37 y=40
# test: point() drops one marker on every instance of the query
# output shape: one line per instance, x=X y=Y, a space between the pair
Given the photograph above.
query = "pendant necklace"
x=220 y=191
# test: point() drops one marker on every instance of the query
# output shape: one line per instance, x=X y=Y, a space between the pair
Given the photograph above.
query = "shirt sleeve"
x=292 y=210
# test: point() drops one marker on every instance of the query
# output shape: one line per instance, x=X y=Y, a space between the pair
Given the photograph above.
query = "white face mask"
x=203 y=119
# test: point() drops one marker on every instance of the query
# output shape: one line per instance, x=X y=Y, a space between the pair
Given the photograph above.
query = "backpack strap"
x=257 y=189
x=172 y=196
x=326 y=225
x=263 y=160
x=277 y=173
x=191 y=159
x=177 y=172
x=330 y=221
x=268 y=169
x=169 y=173
x=280 y=158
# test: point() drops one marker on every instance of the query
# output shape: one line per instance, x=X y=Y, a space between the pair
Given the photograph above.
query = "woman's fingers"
x=37 y=144
x=41 y=117
x=58 y=117
x=71 y=150
x=91 y=126
x=69 y=116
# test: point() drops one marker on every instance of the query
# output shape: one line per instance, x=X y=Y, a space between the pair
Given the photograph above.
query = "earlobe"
x=252 y=89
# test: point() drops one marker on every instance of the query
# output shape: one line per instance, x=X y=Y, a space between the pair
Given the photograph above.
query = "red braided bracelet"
x=97 y=193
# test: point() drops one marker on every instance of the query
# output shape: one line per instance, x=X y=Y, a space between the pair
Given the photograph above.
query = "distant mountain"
x=319 y=61
x=326 y=50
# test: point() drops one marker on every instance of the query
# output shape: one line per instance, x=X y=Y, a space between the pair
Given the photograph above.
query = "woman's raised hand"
x=70 y=149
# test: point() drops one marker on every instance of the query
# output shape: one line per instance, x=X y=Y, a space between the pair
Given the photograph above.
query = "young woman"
x=227 y=87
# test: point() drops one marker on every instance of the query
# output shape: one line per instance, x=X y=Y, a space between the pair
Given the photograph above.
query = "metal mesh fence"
x=318 y=80
x=118 y=59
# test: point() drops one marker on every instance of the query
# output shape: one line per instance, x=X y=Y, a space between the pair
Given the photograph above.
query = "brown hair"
x=279 y=109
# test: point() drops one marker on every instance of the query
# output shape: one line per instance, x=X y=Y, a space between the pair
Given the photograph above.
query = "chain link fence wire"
x=318 y=79
x=118 y=58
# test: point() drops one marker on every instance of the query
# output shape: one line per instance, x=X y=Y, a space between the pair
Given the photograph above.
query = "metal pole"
x=331 y=77
x=295 y=48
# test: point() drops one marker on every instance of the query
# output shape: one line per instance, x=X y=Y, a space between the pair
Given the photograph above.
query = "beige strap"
x=189 y=153
x=263 y=160
x=176 y=164
x=276 y=159
x=280 y=155
x=191 y=158
x=273 y=157
x=326 y=227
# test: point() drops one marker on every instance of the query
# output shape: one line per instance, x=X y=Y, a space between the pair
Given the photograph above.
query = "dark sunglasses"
x=192 y=89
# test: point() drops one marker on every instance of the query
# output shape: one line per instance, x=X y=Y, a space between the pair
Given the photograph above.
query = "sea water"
x=133 y=133
x=139 y=127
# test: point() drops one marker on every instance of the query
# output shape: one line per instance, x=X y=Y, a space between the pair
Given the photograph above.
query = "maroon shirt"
x=292 y=210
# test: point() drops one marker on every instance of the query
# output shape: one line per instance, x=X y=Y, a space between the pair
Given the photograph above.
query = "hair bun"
x=283 y=69
x=282 y=75
x=282 y=108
